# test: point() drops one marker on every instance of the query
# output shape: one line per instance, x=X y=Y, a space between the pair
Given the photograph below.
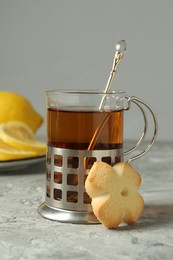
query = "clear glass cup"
x=84 y=127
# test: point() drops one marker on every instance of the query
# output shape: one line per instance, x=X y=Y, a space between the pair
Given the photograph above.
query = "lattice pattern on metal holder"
x=66 y=173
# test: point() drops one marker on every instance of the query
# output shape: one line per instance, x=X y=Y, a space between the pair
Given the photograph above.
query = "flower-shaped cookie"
x=114 y=193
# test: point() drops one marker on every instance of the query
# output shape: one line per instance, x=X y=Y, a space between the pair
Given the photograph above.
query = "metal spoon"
x=120 y=50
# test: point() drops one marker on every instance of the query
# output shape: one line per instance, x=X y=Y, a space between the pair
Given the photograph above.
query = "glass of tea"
x=80 y=131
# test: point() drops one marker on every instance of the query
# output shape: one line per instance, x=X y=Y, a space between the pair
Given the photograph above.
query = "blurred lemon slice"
x=8 y=152
x=15 y=107
x=20 y=136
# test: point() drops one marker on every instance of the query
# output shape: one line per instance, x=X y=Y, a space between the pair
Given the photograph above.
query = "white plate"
x=13 y=165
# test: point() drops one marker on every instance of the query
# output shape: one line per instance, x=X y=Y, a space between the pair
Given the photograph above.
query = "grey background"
x=49 y=44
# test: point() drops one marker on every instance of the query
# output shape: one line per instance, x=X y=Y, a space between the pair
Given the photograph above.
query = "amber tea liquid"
x=82 y=130
x=75 y=129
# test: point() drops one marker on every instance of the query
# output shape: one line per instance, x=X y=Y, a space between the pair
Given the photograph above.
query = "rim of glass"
x=84 y=91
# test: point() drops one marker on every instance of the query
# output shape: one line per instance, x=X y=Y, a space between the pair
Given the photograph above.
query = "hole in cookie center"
x=124 y=193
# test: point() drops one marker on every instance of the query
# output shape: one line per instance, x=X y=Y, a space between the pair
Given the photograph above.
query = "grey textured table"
x=24 y=234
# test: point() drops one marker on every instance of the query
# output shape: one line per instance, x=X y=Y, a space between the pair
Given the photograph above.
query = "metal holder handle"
x=139 y=102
